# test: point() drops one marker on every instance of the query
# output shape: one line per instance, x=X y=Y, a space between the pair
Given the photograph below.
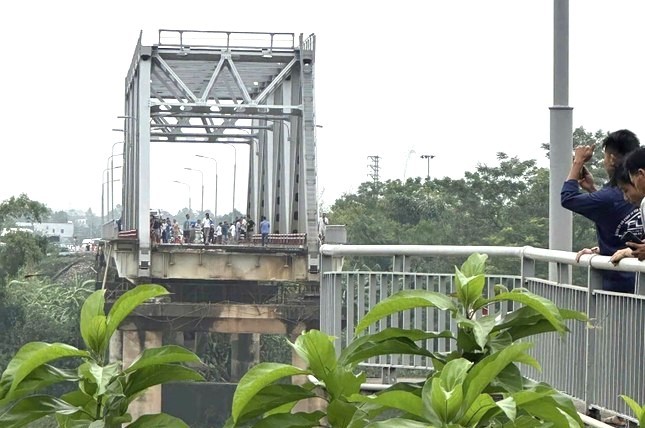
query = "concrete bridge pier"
x=125 y=346
x=245 y=353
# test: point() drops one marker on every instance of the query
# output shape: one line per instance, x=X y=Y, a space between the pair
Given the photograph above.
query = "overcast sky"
x=461 y=80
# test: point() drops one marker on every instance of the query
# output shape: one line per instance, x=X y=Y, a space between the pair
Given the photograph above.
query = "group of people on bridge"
x=203 y=231
x=617 y=208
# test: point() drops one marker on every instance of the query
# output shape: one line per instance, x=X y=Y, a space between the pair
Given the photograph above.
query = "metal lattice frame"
x=227 y=88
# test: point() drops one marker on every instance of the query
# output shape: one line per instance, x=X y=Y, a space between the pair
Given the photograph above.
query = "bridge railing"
x=594 y=363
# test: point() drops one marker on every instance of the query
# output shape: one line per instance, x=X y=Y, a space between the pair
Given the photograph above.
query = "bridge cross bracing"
x=216 y=87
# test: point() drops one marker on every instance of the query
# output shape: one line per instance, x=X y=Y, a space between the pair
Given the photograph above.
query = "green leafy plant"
x=477 y=384
x=105 y=389
x=639 y=411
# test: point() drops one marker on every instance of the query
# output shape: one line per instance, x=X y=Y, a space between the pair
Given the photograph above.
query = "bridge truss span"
x=250 y=90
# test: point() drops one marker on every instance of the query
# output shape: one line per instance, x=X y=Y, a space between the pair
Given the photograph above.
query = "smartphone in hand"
x=630 y=237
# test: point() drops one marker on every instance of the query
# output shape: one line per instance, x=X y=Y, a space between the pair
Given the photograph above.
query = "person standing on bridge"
x=265 y=228
x=611 y=213
x=187 y=229
x=206 y=225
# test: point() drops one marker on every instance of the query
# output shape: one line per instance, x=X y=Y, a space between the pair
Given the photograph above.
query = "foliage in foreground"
x=476 y=385
x=105 y=389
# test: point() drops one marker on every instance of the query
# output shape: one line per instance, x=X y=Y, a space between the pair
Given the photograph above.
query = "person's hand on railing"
x=638 y=250
x=592 y=250
x=621 y=254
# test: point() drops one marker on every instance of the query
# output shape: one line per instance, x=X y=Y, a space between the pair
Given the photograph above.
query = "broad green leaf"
x=146 y=377
x=97 y=424
x=434 y=399
x=510 y=379
x=402 y=400
x=256 y=379
x=272 y=397
x=342 y=382
x=474 y=265
x=541 y=305
x=404 y=300
x=77 y=420
x=35 y=354
x=546 y=410
x=483 y=373
x=34 y=407
x=454 y=373
x=128 y=302
x=569 y=314
x=388 y=341
x=163 y=355
x=474 y=288
x=93 y=306
x=508 y=406
x=96 y=329
x=160 y=420
x=482 y=328
x=460 y=286
x=398 y=423
x=477 y=410
x=38 y=379
x=102 y=375
x=639 y=411
x=317 y=349
x=340 y=413
x=291 y=420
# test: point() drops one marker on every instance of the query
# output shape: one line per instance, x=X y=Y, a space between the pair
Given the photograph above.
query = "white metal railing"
x=594 y=364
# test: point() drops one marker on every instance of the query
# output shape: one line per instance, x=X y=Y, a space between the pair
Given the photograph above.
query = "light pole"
x=190 y=207
x=428 y=157
x=234 y=175
x=110 y=167
x=216 y=180
x=112 y=176
x=106 y=171
x=202 y=175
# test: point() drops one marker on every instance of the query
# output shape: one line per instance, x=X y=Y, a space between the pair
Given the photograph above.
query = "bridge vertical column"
x=308 y=160
x=143 y=160
x=245 y=352
x=134 y=342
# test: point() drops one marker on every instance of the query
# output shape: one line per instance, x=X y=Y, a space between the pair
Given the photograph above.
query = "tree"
x=22 y=208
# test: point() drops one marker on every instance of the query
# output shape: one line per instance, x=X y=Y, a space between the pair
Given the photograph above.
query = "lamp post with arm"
x=110 y=168
x=216 y=180
x=234 y=176
x=202 y=175
x=428 y=157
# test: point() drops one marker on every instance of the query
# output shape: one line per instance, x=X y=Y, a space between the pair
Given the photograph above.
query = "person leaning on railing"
x=612 y=215
x=631 y=195
x=635 y=167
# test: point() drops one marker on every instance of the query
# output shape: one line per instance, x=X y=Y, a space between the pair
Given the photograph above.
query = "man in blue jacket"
x=607 y=208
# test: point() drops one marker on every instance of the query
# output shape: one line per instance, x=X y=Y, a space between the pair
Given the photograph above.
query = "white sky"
x=458 y=79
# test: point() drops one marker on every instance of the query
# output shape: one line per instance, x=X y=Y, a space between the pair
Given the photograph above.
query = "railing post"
x=527 y=269
x=594 y=282
x=331 y=295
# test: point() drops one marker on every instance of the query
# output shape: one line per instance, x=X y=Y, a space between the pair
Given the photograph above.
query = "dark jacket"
x=613 y=216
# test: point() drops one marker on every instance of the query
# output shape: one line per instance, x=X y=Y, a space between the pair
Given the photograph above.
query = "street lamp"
x=428 y=157
x=234 y=176
x=190 y=207
x=112 y=175
x=202 y=175
x=110 y=167
x=216 y=180
x=106 y=171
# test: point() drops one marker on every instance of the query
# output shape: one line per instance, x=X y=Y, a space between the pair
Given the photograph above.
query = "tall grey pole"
x=561 y=139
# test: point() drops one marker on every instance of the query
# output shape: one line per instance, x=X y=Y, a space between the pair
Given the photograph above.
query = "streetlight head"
x=189 y=169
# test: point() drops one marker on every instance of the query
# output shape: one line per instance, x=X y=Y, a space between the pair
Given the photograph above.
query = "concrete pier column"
x=134 y=342
x=115 y=348
x=245 y=352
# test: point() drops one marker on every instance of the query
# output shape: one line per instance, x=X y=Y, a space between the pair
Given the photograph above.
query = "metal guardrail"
x=593 y=364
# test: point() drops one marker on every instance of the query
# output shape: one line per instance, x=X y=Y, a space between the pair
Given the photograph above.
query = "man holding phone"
x=612 y=215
